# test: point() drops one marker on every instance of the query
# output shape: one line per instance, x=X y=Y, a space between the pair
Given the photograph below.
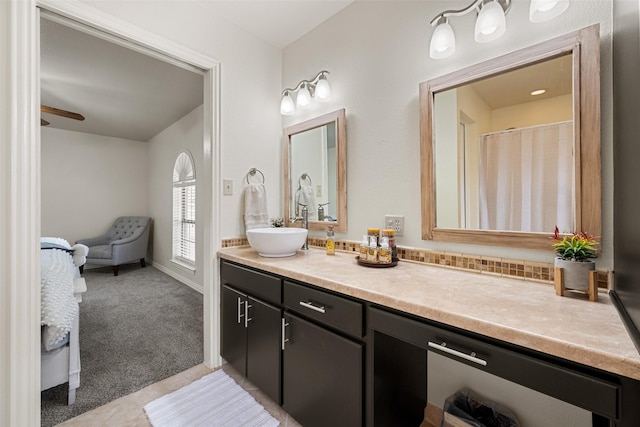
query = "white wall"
x=89 y=180
x=377 y=54
x=250 y=97
x=446 y=159
x=550 y=110
x=162 y=151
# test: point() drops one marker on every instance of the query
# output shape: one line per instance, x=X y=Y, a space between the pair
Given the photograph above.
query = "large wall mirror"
x=315 y=158
x=510 y=148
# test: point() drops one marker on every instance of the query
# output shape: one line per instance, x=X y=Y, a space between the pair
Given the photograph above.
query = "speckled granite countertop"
x=524 y=313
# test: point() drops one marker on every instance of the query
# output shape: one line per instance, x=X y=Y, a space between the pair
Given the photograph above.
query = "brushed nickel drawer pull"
x=470 y=357
x=310 y=305
x=284 y=332
x=240 y=315
x=247 y=319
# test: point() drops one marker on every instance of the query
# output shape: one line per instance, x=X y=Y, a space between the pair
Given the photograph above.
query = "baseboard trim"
x=178 y=277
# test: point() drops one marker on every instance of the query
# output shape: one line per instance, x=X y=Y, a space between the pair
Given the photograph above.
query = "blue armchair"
x=125 y=242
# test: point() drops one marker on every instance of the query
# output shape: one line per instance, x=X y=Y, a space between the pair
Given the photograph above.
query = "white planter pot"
x=575 y=273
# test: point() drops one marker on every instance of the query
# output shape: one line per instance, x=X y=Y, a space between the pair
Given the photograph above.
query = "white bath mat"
x=214 y=400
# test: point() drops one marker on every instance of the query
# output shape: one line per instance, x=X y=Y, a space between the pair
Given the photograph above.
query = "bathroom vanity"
x=337 y=344
x=295 y=343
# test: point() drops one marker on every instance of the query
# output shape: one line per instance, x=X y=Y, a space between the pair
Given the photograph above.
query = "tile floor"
x=128 y=410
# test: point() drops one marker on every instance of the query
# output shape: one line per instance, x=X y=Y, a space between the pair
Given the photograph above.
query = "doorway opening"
x=123 y=34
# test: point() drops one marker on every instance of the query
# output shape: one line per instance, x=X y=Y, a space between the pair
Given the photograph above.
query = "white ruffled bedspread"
x=58 y=304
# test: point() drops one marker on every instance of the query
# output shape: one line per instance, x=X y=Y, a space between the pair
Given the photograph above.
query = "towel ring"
x=303 y=177
x=252 y=172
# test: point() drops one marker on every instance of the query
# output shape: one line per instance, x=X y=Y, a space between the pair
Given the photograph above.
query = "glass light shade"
x=304 y=97
x=287 y=107
x=544 y=10
x=443 y=41
x=491 y=23
x=323 y=90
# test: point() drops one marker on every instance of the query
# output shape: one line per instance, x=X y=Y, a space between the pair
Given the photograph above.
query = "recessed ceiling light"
x=538 y=92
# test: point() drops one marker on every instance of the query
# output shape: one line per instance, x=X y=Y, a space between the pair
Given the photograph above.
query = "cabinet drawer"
x=327 y=308
x=256 y=283
x=541 y=374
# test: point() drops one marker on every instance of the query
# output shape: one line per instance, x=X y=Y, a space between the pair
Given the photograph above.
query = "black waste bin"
x=467 y=408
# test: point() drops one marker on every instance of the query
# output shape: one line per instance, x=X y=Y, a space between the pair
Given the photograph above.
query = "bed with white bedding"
x=61 y=289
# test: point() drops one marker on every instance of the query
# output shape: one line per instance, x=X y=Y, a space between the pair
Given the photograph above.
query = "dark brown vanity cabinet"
x=322 y=364
x=302 y=346
x=403 y=345
x=251 y=328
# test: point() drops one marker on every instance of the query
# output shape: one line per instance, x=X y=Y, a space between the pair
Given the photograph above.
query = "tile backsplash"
x=527 y=270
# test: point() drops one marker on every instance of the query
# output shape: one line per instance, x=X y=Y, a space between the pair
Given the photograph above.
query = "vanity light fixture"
x=304 y=96
x=443 y=41
x=538 y=92
x=544 y=10
x=490 y=23
x=317 y=88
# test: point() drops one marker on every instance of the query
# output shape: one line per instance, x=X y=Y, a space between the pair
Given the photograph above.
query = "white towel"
x=255 y=207
x=304 y=196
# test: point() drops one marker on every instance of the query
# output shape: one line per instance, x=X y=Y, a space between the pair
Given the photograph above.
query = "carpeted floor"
x=135 y=329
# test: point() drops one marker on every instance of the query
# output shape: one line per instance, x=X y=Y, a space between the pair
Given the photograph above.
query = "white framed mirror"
x=315 y=171
x=501 y=166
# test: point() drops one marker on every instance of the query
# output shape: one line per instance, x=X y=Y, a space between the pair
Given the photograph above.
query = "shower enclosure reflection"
x=512 y=148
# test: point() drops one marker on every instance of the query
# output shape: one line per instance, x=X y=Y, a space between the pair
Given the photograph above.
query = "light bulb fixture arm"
x=476 y=5
x=311 y=84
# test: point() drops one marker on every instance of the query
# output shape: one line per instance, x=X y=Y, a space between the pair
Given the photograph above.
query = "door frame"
x=20 y=191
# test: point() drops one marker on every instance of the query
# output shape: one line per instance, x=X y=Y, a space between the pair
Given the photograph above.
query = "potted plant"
x=277 y=222
x=574 y=255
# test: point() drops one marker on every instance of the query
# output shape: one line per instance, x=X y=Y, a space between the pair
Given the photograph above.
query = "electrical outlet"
x=227 y=186
x=395 y=223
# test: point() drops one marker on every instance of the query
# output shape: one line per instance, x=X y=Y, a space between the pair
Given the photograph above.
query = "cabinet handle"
x=247 y=319
x=470 y=357
x=284 y=332
x=310 y=305
x=240 y=315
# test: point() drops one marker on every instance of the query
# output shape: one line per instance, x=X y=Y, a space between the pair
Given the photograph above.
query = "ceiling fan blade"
x=43 y=122
x=63 y=113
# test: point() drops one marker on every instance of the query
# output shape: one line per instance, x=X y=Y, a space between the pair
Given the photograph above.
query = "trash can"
x=466 y=408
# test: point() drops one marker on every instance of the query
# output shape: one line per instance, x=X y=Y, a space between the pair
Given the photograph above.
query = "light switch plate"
x=227 y=185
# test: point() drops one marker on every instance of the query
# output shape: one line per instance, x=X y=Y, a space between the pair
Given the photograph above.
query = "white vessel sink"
x=276 y=242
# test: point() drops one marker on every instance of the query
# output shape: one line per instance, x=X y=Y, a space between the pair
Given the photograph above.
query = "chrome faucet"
x=305 y=224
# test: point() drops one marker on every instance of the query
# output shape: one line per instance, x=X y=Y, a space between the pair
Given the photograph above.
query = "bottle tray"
x=366 y=263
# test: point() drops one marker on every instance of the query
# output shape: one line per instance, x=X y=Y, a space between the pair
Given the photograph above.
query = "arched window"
x=184 y=209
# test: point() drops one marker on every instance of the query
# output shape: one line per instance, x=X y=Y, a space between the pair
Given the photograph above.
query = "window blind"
x=184 y=210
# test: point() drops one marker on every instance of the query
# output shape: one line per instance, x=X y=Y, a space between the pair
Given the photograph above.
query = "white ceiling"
x=120 y=92
x=514 y=87
x=127 y=94
x=280 y=23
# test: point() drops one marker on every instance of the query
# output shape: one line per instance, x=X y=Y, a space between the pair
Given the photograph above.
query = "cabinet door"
x=264 y=347
x=234 y=333
x=322 y=376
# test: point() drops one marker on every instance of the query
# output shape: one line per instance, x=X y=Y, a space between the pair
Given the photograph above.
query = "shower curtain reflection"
x=526 y=179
